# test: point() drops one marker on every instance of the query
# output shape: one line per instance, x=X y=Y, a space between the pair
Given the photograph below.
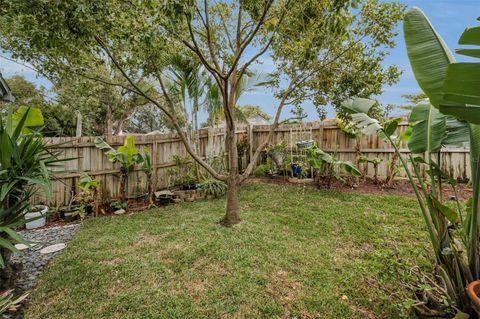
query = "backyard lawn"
x=298 y=253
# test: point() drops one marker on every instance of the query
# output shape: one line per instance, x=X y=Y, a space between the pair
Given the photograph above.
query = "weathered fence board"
x=89 y=160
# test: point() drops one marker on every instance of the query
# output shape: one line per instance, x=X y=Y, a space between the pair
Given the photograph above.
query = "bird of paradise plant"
x=451 y=116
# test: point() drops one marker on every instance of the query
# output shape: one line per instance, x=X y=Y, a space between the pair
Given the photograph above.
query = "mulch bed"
x=401 y=187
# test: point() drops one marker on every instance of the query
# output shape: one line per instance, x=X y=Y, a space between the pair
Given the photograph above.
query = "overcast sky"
x=449 y=17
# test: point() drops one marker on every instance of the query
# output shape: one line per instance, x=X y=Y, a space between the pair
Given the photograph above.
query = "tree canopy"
x=323 y=51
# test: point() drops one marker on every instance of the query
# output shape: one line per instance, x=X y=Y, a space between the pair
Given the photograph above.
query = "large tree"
x=323 y=50
x=59 y=119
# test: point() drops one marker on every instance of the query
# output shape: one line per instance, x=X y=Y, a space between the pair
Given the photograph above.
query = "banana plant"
x=128 y=156
x=375 y=161
x=329 y=165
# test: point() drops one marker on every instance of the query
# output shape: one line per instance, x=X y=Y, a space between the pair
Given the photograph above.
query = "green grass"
x=298 y=253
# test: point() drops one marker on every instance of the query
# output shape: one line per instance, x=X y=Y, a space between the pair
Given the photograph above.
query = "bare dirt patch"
x=284 y=289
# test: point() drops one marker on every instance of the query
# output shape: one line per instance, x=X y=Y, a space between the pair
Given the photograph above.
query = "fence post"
x=154 y=162
x=250 y=142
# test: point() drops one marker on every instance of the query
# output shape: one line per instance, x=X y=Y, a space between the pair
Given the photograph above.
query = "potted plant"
x=183 y=174
x=302 y=145
x=36 y=216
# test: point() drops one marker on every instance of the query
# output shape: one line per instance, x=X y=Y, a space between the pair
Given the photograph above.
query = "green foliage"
x=449 y=87
x=88 y=196
x=127 y=155
x=277 y=153
x=10 y=303
x=147 y=161
x=24 y=170
x=343 y=49
x=438 y=216
x=87 y=182
x=213 y=187
x=329 y=166
x=117 y=204
x=432 y=130
x=347 y=127
x=322 y=51
x=58 y=119
x=263 y=170
x=183 y=173
x=374 y=161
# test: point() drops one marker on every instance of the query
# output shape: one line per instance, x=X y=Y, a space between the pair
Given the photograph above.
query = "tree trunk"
x=232 y=215
x=108 y=122
x=123 y=184
x=78 y=131
x=149 y=189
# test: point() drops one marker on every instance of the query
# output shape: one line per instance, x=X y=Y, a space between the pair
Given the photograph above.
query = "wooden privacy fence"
x=87 y=159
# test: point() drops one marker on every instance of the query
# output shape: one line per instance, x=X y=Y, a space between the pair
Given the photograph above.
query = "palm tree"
x=249 y=82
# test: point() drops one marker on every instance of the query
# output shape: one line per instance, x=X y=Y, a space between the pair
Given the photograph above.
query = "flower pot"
x=37 y=216
x=188 y=187
x=164 y=199
x=473 y=292
x=304 y=144
x=70 y=214
x=296 y=169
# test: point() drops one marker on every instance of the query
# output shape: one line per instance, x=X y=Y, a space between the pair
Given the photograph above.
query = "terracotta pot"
x=473 y=292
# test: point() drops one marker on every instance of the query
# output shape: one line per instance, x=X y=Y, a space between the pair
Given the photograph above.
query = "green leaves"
x=129 y=151
x=30 y=117
x=366 y=124
x=87 y=182
x=127 y=155
x=429 y=56
x=358 y=105
x=429 y=129
x=318 y=159
x=450 y=214
x=462 y=84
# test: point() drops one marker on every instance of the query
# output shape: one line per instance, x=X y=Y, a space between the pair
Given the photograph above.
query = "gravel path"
x=31 y=260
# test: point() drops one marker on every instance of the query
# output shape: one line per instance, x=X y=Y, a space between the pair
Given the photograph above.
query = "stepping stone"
x=52 y=249
x=119 y=212
x=23 y=246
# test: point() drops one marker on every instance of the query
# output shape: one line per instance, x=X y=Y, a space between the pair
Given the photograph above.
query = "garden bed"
x=298 y=252
x=400 y=187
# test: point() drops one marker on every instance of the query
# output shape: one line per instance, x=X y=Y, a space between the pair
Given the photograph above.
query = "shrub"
x=213 y=187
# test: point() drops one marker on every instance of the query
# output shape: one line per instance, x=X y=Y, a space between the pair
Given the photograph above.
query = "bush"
x=262 y=170
x=214 y=187
x=24 y=170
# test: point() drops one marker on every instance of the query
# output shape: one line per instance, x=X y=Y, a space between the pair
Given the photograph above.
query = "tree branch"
x=196 y=49
x=273 y=127
x=294 y=84
x=174 y=120
x=244 y=68
x=249 y=38
x=209 y=37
